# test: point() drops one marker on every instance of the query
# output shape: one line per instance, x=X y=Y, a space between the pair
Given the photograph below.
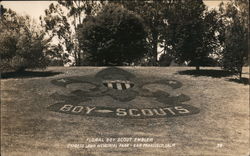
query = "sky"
x=36 y=8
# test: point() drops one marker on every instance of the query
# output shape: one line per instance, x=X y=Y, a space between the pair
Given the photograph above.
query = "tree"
x=115 y=36
x=22 y=43
x=191 y=32
x=235 y=16
x=152 y=13
x=62 y=20
x=57 y=28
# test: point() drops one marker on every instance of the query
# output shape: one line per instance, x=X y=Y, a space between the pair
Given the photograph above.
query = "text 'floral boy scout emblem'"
x=114 y=92
x=118 y=84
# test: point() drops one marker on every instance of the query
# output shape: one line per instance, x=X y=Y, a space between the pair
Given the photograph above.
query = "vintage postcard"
x=124 y=78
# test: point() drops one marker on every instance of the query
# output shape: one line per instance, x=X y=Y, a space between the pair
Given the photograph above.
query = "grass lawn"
x=220 y=128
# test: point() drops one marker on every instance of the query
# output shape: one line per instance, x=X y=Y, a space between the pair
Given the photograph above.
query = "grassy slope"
x=28 y=128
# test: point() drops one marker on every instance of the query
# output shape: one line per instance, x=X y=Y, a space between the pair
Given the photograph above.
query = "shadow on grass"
x=243 y=80
x=208 y=72
x=215 y=74
x=28 y=74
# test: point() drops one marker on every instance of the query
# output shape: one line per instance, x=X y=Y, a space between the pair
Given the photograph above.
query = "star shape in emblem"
x=62 y=80
x=171 y=82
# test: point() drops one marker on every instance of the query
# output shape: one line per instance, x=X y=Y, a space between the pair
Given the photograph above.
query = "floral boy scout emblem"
x=114 y=92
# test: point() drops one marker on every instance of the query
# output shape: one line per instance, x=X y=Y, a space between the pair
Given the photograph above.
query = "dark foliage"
x=206 y=62
x=115 y=36
x=235 y=16
x=190 y=34
x=21 y=44
x=165 y=60
x=152 y=13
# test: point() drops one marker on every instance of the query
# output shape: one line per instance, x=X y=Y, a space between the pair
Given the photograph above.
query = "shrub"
x=21 y=44
x=115 y=36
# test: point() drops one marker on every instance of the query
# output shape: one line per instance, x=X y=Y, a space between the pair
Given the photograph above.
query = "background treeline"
x=105 y=33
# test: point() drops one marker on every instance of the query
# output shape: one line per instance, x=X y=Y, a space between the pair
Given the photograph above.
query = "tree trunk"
x=197 y=68
x=79 y=58
x=240 y=73
x=76 y=60
x=155 y=54
x=75 y=50
x=155 y=48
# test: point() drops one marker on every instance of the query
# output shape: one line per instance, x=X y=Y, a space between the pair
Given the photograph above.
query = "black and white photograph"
x=124 y=78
